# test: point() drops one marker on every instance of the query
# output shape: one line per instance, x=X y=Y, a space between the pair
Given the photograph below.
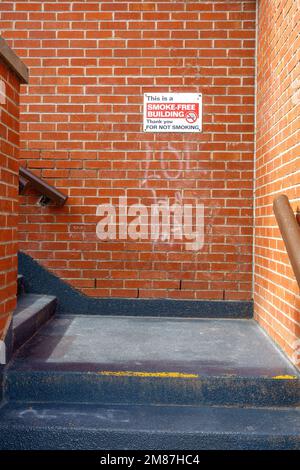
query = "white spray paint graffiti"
x=111 y=415
x=163 y=173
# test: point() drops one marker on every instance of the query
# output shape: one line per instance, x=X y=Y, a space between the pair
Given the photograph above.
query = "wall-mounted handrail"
x=290 y=231
x=23 y=184
x=50 y=192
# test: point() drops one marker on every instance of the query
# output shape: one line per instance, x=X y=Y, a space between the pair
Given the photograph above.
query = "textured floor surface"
x=205 y=347
x=95 y=382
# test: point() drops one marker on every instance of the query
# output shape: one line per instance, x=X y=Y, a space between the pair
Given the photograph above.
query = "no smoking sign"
x=191 y=116
x=172 y=112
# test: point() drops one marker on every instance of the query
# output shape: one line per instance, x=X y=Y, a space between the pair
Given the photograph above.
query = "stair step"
x=66 y=386
x=32 y=311
x=152 y=361
x=35 y=426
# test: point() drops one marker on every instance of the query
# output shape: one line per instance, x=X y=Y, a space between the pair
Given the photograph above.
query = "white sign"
x=172 y=112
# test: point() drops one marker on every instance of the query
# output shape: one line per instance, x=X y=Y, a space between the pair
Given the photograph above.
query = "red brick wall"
x=9 y=141
x=90 y=63
x=277 y=302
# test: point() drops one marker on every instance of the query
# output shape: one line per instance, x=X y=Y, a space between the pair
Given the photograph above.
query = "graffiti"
x=112 y=415
x=182 y=158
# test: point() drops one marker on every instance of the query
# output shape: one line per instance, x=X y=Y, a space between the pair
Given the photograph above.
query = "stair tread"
x=29 y=304
x=188 y=418
x=32 y=311
x=233 y=426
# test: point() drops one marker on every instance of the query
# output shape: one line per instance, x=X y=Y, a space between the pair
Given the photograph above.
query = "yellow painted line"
x=283 y=377
x=129 y=373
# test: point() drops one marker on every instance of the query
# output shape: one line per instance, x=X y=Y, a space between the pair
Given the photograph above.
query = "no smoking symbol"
x=191 y=116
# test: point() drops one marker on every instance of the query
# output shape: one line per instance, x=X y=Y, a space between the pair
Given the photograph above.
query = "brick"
x=81 y=125
x=9 y=154
x=276 y=292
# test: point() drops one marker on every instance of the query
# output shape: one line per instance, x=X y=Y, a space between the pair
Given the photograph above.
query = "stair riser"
x=27 y=438
x=92 y=388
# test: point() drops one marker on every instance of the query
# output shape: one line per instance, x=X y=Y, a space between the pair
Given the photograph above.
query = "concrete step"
x=35 y=426
x=33 y=310
x=126 y=360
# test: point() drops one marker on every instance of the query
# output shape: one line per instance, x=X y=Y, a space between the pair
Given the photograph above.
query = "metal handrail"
x=48 y=191
x=290 y=231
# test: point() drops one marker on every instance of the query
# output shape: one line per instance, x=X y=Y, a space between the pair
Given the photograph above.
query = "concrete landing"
x=192 y=346
x=152 y=361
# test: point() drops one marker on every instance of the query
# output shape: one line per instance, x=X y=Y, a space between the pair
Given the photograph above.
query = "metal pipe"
x=290 y=231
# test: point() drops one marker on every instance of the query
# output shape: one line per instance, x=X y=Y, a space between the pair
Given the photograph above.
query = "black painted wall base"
x=40 y=281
